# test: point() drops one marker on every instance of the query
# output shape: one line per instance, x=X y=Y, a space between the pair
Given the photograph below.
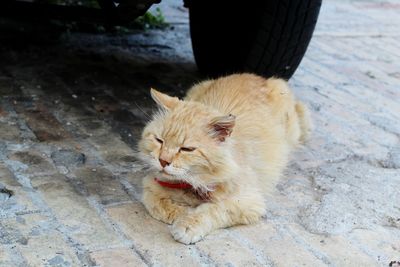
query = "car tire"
x=265 y=37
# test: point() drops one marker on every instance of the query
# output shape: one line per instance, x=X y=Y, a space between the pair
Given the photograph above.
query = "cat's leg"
x=159 y=203
x=207 y=217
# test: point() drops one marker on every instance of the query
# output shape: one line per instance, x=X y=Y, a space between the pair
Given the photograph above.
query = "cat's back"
x=236 y=93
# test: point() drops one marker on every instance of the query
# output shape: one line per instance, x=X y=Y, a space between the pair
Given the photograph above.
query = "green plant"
x=151 y=21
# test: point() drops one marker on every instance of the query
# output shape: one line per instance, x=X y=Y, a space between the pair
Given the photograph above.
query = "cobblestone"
x=71 y=112
x=101 y=184
x=116 y=257
x=147 y=235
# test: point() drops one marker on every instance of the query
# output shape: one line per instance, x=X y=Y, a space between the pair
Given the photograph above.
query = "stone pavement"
x=71 y=113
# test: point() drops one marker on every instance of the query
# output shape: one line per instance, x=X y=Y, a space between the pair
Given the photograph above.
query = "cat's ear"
x=163 y=100
x=221 y=127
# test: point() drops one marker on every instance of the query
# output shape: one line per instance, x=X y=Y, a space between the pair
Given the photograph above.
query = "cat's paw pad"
x=188 y=230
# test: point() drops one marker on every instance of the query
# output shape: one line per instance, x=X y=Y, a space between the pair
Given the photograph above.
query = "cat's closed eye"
x=159 y=140
x=187 y=149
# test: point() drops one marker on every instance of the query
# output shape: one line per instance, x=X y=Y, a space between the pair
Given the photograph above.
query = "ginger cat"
x=215 y=154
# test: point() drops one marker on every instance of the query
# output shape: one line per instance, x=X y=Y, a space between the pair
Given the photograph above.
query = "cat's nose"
x=164 y=162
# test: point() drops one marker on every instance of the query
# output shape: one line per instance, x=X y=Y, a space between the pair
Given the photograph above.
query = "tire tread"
x=288 y=38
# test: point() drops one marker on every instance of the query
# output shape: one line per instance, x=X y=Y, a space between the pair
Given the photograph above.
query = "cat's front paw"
x=188 y=229
x=166 y=216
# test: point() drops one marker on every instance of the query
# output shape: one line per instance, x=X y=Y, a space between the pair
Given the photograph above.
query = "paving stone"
x=224 y=251
x=85 y=225
x=17 y=201
x=45 y=126
x=134 y=180
x=87 y=125
x=35 y=163
x=49 y=250
x=121 y=257
x=36 y=240
x=9 y=132
x=11 y=235
x=5 y=258
x=346 y=201
x=7 y=177
x=108 y=144
x=113 y=149
x=3 y=113
x=294 y=193
x=68 y=157
x=151 y=238
x=381 y=244
x=339 y=250
x=101 y=184
x=278 y=247
x=393 y=160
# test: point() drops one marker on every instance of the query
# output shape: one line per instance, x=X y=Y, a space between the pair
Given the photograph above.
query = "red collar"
x=203 y=196
x=180 y=185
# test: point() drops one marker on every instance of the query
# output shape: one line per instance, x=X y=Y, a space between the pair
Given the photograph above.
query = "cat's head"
x=187 y=141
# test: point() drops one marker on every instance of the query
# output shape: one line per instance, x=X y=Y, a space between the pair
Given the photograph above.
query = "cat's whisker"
x=148 y=117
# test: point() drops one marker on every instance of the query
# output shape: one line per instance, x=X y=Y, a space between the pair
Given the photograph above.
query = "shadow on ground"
x=105 y=75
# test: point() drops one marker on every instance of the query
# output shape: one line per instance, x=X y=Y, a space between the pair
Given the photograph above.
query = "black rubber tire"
x=265 y=37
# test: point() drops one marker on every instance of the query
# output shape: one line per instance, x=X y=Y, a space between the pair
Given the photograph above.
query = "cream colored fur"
x=242 y=128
